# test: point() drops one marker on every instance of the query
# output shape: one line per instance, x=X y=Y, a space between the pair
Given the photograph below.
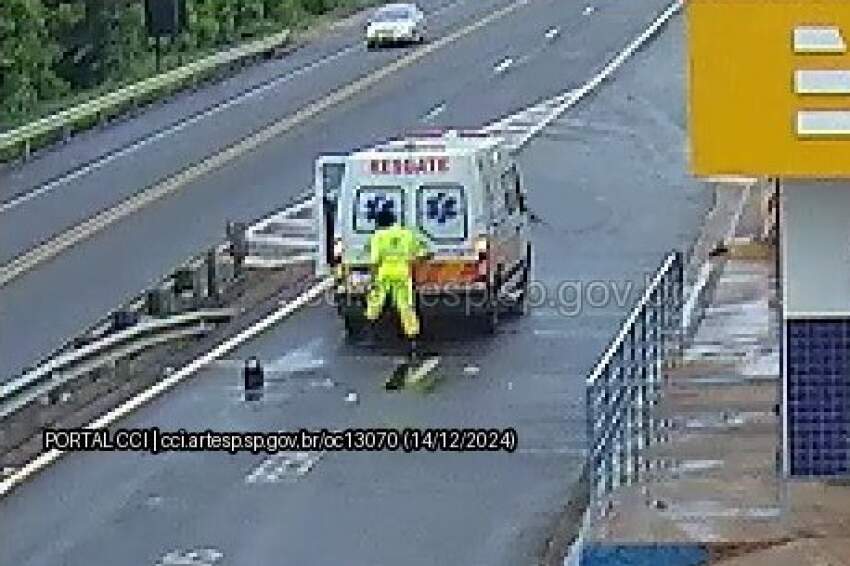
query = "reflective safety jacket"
x=392 y=251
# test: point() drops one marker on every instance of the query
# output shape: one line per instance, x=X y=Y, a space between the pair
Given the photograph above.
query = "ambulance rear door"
x=329 y=176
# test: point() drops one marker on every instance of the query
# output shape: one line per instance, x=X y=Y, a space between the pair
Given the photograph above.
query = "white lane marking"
x=196 y=557
x=434 y=112
x=46 y=458
x=283 y=466
x=588 y=10
x=422 y=371
x=503 y=65
x=552 y=33
x=578 y=94
x=174 y=128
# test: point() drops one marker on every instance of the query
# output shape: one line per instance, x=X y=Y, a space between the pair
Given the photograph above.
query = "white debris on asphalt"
x=352 y=397
x=588 y=10
x=326 y=383
x=471 y=370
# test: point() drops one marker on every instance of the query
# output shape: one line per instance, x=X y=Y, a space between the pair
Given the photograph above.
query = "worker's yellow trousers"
x=401 y=292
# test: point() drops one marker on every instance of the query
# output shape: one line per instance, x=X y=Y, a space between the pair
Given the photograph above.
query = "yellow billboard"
x=769 y=87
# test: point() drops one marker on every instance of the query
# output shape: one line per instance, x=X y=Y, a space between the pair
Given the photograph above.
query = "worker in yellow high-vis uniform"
x=393 y=249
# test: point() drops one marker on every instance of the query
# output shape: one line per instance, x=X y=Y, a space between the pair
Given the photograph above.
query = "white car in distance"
x=395 y=24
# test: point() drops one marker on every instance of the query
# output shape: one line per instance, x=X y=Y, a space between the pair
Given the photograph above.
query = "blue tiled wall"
x=818 y=381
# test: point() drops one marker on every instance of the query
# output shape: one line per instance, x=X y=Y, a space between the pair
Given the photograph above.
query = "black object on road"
x=254 y=379
x=397 y=379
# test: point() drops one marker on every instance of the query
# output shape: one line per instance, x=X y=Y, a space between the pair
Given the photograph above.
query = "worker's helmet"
x=385 y=217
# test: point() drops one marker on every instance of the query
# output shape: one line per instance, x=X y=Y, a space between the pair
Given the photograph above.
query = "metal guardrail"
x=23 y=139
x=11 y=393
x=22 y=389
x=625 y=384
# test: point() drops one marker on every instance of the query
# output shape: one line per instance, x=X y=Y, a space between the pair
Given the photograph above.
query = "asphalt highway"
x=45 y=306
x=609 y=183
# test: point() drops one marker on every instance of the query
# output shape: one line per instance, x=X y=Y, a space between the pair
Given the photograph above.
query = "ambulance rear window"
x=369 y=199
x=441 y=212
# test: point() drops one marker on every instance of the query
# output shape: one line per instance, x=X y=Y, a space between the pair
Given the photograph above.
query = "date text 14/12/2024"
x=156 y=441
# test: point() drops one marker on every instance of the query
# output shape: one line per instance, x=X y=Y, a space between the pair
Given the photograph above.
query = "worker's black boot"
x=396 y=380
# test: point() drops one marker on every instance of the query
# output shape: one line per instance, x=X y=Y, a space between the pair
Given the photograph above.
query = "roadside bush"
x=57 y=52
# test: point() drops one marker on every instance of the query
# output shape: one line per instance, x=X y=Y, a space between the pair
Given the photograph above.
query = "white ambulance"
x=462 y=190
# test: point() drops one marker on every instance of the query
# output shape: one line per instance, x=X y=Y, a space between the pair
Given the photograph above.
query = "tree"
x=27 y=55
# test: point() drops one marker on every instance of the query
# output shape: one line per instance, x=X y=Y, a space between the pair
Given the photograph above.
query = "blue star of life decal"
x=441 y=207
x=376 y=203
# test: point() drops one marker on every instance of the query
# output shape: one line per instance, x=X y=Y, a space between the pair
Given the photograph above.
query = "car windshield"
x=393 y=15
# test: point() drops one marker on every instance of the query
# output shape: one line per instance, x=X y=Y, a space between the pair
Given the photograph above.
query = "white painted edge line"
x=46 y=458
x=706 y=268
x=576 y=95
x=576 y=548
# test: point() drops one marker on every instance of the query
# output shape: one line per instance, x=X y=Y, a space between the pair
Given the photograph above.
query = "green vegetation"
x=54 y=53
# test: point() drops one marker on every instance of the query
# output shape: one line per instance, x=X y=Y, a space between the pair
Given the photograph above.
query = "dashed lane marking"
x=284 y=466
x=196 y=557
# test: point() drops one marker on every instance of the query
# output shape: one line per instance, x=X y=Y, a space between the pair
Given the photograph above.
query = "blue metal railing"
x=626 y=383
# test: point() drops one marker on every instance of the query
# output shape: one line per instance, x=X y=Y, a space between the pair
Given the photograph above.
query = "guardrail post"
x=212 y=282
